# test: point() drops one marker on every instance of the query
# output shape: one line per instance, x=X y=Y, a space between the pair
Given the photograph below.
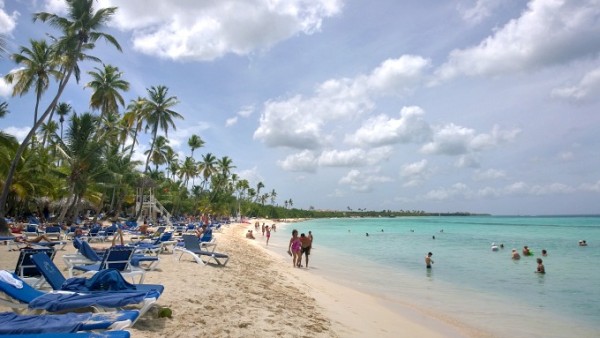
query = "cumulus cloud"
x=18 y=132
x=8 y=22
x=415 y=173
x=587 y=88
x=206 y=30
x=303 y=161
x=301 y=122
x=489 y=174
x=456 y=140
x=353 y=157
x=382 y=130
x=548 y=32
x=245 y=111
x=363 y=181
x=231 y=121
x=479 y=11
x=6 y=88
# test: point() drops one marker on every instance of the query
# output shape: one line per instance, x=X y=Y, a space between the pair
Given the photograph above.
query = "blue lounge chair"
x=107 y=334
x=192 y=247
x=13 y=323
x=54 y=232
x=25 y=267
x=116 y=257
x=57 y=281
x=20 y=296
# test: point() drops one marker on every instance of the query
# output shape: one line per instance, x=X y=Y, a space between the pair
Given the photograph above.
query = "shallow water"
x=469 y=284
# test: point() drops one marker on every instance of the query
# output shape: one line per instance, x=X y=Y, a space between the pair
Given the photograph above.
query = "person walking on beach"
x=306 y=244
x=428 y=260
x=294 y=248
x=311 y=238
x=268 y=232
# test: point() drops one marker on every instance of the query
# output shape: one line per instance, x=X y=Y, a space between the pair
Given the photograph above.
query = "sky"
x=483 y=106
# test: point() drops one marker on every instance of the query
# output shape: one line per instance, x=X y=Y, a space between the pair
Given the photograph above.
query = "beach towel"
x=103 y=280
x=53 y=302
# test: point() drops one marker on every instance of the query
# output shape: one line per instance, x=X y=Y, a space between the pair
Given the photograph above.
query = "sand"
x=260 y=294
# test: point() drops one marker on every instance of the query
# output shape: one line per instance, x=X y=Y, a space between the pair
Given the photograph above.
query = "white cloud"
x=231 y=121
x=284 y=124
x=382 y=130
x=6 y=89
x=457 y=189
x=301 y=123
x=18 y=132
x=587 y=88
x=246 y=111
x=481 y=10
x=398 y=76
x=456 y=140
x=363 y=181
x=593 y=187
x=489 y=174
x=58 y=7
x=549 y=32
x=353 y=157
x=253 y=176
x=303 y=161
x=8 y=22
x=206 y=30
x=178 y=138
x=415 y=173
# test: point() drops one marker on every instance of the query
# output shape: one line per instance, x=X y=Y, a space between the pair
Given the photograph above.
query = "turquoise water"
x=469 y=284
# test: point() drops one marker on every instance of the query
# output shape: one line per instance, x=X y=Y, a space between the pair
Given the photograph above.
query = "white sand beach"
x=259 y=294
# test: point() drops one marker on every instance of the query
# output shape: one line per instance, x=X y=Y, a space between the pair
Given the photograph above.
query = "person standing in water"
x=268 y=231
x=540 y=267
x=428 y=260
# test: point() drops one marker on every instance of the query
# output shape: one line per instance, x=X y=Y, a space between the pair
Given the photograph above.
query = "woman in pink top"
x=294 y=248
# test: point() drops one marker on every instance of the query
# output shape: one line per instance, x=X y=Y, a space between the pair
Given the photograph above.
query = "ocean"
x=469 y=285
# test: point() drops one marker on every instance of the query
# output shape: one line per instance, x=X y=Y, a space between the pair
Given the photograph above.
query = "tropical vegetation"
x=72 y=163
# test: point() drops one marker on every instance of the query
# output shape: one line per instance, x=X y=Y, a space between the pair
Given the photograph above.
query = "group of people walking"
x=298 y=246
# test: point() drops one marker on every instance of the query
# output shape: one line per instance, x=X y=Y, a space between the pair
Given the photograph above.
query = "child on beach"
x=294 y=248
x=268 y=231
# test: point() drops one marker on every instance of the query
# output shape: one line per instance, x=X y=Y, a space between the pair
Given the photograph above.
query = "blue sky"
x=474 y=105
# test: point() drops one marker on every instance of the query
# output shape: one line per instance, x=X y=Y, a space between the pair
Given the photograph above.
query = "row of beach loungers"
x=46 y=303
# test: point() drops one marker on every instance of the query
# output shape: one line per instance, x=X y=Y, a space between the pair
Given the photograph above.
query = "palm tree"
x=134 y=118
x=208 y=166
x=49 y=129
x=188 y=170
x=159 y=114
x=84 y=163
x=195 y=142
x=224 y=165
x=273 y=196
x=38 y=66
x=62 y=109
x=259 y=186
x=3 y=109
x=159 y=152
x=80 y=31
x=106 y=84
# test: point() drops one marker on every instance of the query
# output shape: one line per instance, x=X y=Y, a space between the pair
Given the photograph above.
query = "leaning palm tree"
x=133 y=120
x=195 y=142
x=107 y=83
x=38 y=65
x=80 y=29
x=159 y=115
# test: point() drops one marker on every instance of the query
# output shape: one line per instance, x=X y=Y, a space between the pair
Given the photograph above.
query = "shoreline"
x=259 y=294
